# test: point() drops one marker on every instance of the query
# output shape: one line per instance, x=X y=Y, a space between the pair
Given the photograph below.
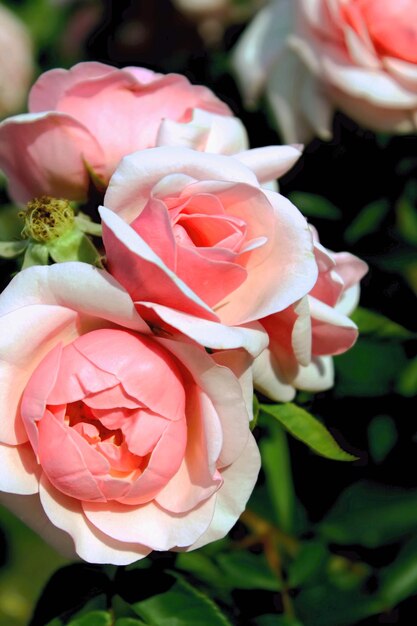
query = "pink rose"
x=122 y=440
x=303 y=337
x=201 y=247
x=314 y=56
x=16 y=62
x=84 y=120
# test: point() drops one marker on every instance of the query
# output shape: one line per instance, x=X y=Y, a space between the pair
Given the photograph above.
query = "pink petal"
x=52 y=150
x=224 y=391
x=142 y=272
x=197 y=478
x=270 y=162
x=333 y=333
x=150 y=525
x=92 y=293
x=78 y=377
x=239 y=481
x=28 y=334
x=19 y=470
x=251 y=337
x=271 y=378
x=141 y=365
x=142 y=431
x=90 y=544
x=132 y=183
x=163 y=464
x=30 y=511
x=75 y=477
x=280 y=272
x=51 y=86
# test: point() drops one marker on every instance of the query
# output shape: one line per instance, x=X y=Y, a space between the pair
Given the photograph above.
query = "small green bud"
x=47 y=219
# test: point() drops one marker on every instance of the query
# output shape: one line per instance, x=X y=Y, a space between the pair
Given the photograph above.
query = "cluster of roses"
x=314 y=56
x=126 y=393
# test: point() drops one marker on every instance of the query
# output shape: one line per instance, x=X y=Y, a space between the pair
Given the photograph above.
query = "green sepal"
x=74 y=246
x=36 y=254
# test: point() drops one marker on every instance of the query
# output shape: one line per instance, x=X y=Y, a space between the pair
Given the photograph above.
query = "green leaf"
x=254 y=421
x=407 y=220
x=313 y=205
x=367 y=221
x=399 y=580
x=182 y=605
x=129 y=621
x=86 y=225
x=383 y=436
x=36 y=254
x=245 y=570
x=277 y=620
x=377 y=325
x=94 y=618
x=371 y=515
x=201 y=567
x=12 y=249
x=308 y=429
x=311 y=558
x=325 y=605
x=11 y=224
x=74 y=246
x=407 y=381
x=369 y=369
x=276 y=464
x=346 y=574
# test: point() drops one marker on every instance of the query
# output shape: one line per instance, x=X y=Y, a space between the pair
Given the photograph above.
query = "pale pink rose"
x=304 y=337
x=120 y=440
x=201 y=247
x=84 y=120
x=314 y=56
x=16 y=62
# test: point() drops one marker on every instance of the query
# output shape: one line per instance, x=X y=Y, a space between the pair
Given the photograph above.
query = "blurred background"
x=360 y=190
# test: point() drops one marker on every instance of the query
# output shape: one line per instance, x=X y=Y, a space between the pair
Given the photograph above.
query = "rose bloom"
x=314 y=56
x=111 y=437
x=82 y=121
x=16 y=62
x=201 y=247
x=304 y=337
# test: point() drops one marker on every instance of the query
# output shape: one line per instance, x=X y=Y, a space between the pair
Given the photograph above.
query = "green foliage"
x=309 y=561
x=369 y=369
x=383 y=435
x=277 y=467
x=95 y=618
x=308 y=429
x=74 y=246
x=129 y=621
x=182 y=605
x=367 y=221
x=312 y=205
x=371 y=515
x=245 y=570
x=399 y=580
x=277 y=620
x=407 y=220
x=379 y=326
x=407 y=381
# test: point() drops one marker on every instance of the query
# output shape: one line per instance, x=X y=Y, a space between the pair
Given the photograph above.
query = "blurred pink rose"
x=303 y=338
x=201 y=247
x=88 y=118
x=126 y=442
x=314 y=56
x=16 y=62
